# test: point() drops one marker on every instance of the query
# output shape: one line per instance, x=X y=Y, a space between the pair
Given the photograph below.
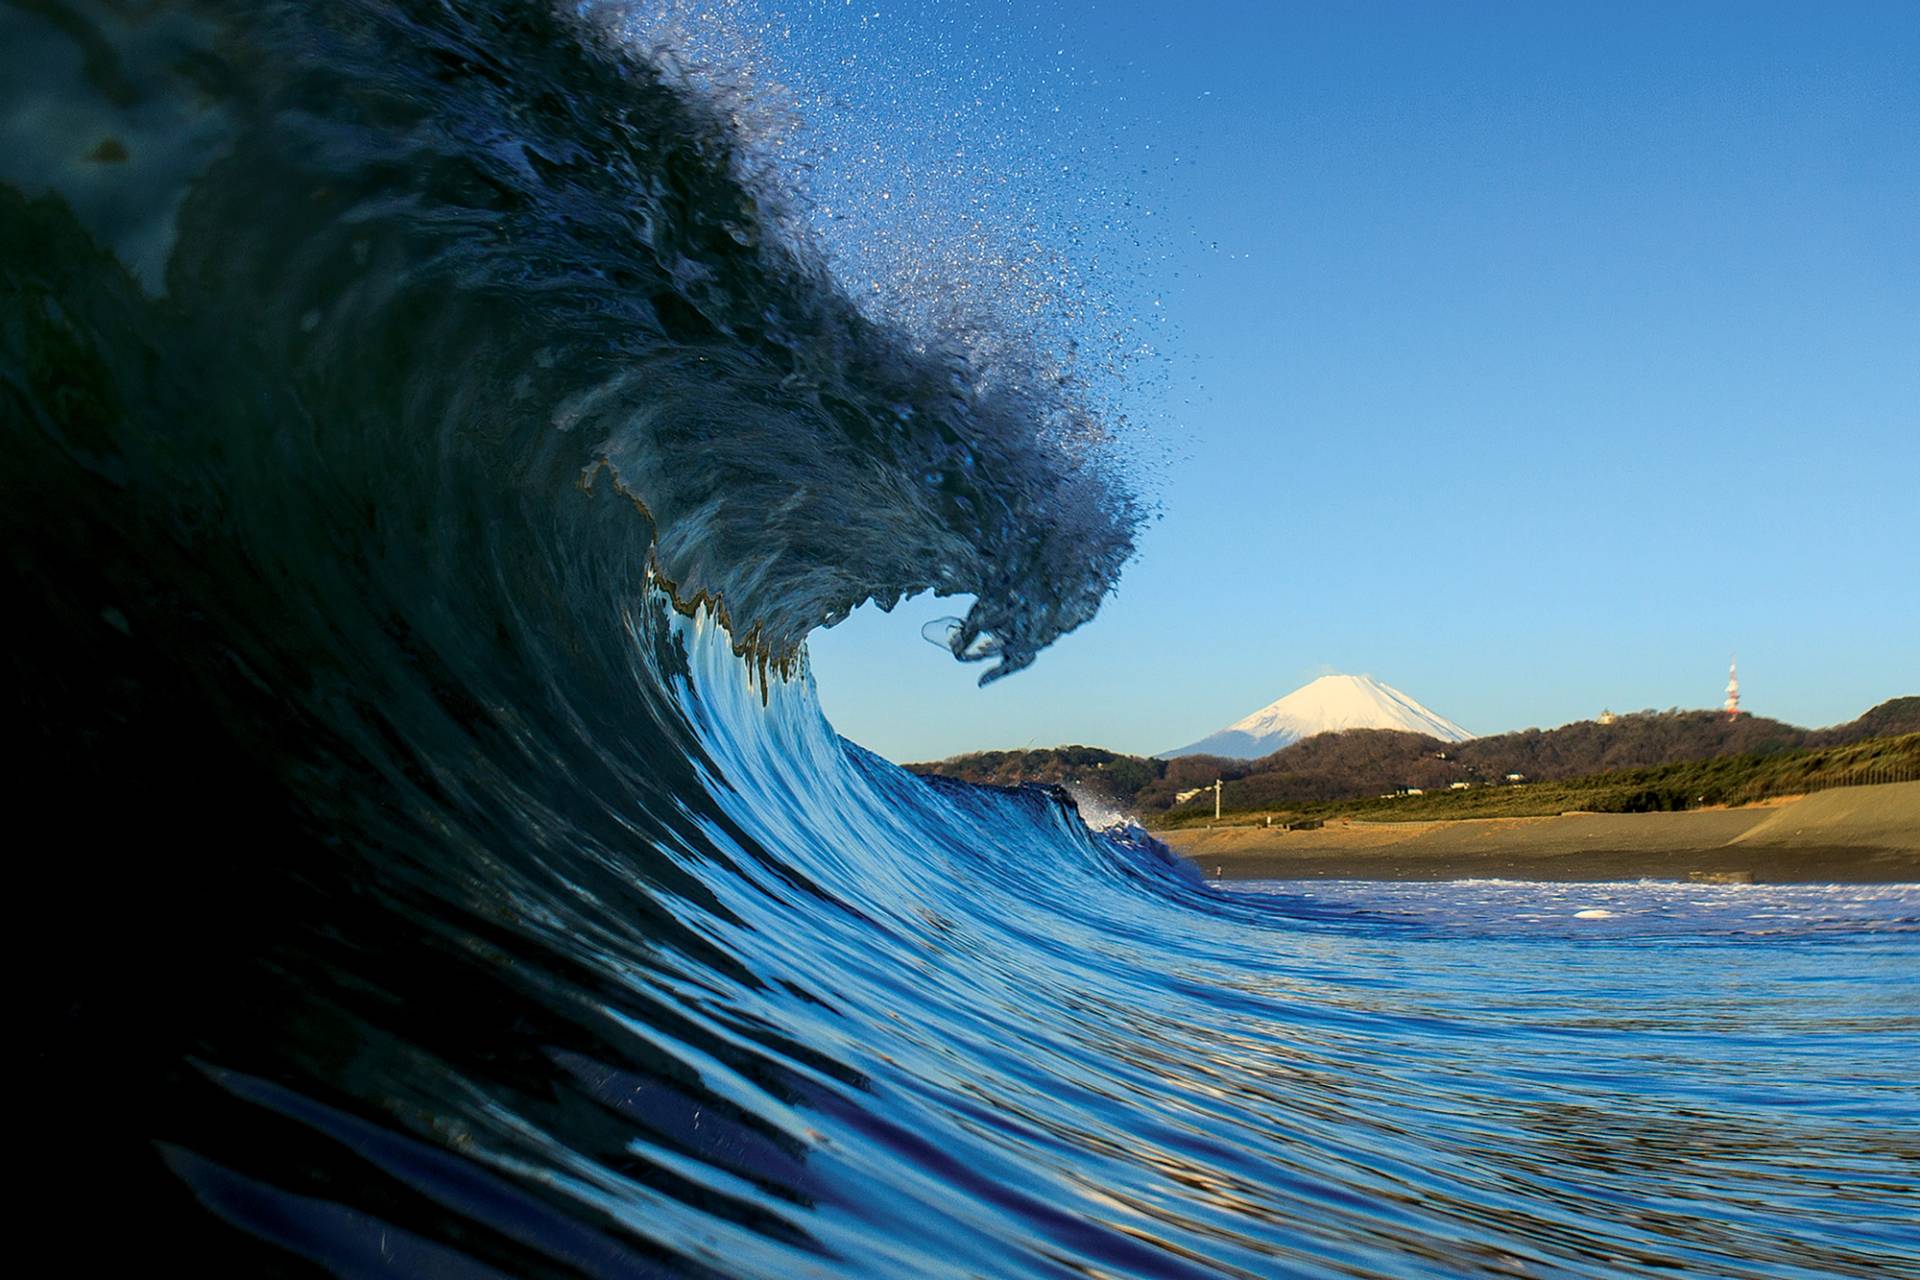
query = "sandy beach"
x=1854 y=834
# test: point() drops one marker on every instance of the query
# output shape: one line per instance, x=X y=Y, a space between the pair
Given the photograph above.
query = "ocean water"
x=426 y=457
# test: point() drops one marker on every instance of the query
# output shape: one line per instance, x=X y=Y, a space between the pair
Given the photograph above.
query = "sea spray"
x=411 y=421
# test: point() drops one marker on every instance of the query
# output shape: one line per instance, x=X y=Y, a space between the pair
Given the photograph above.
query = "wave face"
x=424 y=466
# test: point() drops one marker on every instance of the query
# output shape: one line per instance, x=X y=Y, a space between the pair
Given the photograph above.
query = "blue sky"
x=1532 y=359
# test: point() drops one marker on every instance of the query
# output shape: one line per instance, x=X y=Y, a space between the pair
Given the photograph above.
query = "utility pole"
x=1216 y=799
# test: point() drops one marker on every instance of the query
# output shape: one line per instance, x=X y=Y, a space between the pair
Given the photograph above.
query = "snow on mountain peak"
x=1326 y=705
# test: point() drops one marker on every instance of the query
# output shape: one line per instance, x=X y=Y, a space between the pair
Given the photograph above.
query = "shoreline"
x=1855 y=835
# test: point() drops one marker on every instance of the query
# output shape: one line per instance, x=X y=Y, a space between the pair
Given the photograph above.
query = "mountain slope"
x=1327 y=705
x=1366 y=762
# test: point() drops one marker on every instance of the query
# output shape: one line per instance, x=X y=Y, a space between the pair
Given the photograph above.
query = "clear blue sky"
x=1531 y=358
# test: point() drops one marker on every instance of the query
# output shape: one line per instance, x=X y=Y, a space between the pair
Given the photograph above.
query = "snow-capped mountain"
x=1329 y=703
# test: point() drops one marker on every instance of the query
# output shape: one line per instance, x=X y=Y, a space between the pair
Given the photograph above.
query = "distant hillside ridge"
x=1721 y=781
x=1891 y=718
x=1361 y=762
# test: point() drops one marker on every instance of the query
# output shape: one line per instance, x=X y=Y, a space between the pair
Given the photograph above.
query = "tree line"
x=1363 y=762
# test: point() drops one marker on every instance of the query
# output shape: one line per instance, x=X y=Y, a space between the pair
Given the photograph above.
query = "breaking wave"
x=427 y=455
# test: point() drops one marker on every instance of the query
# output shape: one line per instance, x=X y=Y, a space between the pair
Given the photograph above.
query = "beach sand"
x=1853 y=835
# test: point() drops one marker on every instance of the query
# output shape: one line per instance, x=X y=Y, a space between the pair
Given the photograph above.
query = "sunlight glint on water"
x=387 y=426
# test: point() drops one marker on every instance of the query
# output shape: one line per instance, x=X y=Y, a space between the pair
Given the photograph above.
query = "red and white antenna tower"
x=1733 y=689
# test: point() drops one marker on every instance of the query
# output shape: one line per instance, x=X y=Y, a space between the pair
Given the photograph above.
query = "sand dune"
x=1886 y=817
x=1850 y=834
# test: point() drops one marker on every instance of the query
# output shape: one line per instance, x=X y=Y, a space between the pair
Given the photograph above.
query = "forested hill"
x=1895 y=716
x=1359 y=762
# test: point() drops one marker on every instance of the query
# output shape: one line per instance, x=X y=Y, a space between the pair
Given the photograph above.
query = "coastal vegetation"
x=1652 y=759
x=1693 y=784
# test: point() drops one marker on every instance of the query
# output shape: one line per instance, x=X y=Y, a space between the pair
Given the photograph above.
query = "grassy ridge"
x=1355 y=764
x=1725 y=780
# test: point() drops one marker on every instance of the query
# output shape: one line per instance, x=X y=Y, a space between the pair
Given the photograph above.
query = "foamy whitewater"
x=426 y=459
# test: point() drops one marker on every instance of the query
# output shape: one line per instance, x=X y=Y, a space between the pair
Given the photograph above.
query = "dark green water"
x=412 y=887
